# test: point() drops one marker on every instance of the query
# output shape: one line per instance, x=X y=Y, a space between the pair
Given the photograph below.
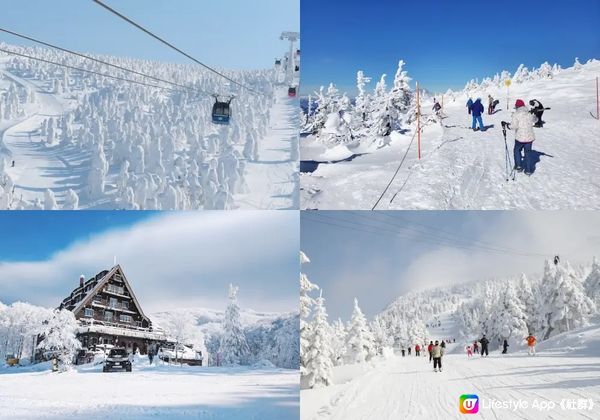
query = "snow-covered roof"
x=126 y=332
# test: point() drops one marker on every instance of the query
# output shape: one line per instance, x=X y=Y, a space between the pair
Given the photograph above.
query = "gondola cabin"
x=298 y=53
x=221 y=112
x=297 y=68
x=292 y=91
x=278 y=62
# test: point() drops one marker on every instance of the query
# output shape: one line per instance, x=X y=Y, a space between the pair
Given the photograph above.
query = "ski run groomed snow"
x=71 y=140
x=462 y=169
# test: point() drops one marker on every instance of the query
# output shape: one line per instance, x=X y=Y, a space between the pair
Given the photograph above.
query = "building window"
x=98 y=299
x=89 y=312
x=125 y=318
x=113 y=302
x=115 y=289
x=108 y=315
x=138 y=323
x=125 y=305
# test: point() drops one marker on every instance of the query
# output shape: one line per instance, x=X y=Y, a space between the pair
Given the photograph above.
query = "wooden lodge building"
x=110 y=315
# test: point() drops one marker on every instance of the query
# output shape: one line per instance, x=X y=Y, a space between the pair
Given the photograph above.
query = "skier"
x=469 y=105
x=537 y=109
x=491 y=105
x=484 y=346
x=150 y=356
x=475 y=347
x=417 y=350
x=531 y=344
x=476 y=111
x=429 y=350
x=469 y=351
x=402 y=350
x=409 y=348
x=443 y=344
x=504 y=347
x=437 y=352
x=522 y=123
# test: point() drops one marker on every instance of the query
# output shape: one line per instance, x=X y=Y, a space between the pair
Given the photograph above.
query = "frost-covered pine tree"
x=233 y=348
x=381 y=335
x=338 y=342
x=401 y=95
x=59 y=338
x=181 y=327
x=545 y=71
x=521 y=75
x=592 y=283
x=306 y=303
x=362 y=99
x=50 y=200
x=577 y=64
x=318 y=355
x=512 y=316
x=567 y=306
x=360 y=343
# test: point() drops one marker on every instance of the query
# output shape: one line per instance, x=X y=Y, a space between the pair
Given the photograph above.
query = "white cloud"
x=177 y=260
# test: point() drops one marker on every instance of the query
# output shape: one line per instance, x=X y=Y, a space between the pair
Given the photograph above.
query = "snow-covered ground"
x=565 y=370
x=462 y=169
x=71 y=139
x=150 y=392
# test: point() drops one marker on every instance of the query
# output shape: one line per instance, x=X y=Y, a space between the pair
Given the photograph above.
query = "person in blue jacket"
x=469 y=105
x=476 y=111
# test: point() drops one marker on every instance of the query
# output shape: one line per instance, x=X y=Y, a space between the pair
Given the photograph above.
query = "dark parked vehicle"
x=117 y=359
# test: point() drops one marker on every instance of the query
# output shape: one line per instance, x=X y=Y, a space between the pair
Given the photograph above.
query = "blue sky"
x=173 y=259
x=227 y=33
x=444 y=43
x=376 y=268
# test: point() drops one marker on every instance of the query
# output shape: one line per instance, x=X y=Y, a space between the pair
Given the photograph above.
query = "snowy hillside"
x=270 y=336
x=70 y=139
x=356 y=369
x=348 y=162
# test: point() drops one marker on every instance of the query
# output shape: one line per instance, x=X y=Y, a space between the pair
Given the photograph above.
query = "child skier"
x=476 y=111
x=469 y=351
x=429 y=350
x=437 y=353
x=469 y=105
x=475 y=347
x=531 y=344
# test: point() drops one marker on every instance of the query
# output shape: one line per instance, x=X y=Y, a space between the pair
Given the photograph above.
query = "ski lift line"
x=101 y=61
x=395 y=173
x=437 y=241
x=446 y=239
x=451 y=235
x=398 y=234
x=148 y=32
x=124 y=79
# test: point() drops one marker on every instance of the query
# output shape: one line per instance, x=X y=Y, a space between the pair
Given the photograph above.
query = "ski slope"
x=272 y=179
x=566 y=368
x=150 y=392
x=462 y=169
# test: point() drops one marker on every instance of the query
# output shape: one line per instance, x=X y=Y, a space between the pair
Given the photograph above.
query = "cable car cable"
x=101 y=61
x=125 y=18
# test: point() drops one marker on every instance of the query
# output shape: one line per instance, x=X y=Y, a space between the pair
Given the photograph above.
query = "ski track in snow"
x=37 y=166
x=271 y=179
x=462 y=169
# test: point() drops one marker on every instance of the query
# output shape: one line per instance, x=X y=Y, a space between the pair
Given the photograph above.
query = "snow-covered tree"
x=181 y=327
x=360 y=343
x=338 y=342
x=59 y=338
x=318 y=355
x=306 y=303
x=233 y=348
x=592 y=283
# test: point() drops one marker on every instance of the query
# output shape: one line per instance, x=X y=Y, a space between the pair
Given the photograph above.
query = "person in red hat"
x=522 y=124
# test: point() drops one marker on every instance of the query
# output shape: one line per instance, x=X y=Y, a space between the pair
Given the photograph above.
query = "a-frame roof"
x=116 y=269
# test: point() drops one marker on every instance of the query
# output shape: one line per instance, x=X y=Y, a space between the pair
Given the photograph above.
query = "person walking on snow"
x=475 y=347
x=522 y=124
x=476 y=111
x=417 y=350
x=469 y=105
x=402 y=350
x=437 y=353
x=504 y=347
x=484 y=346
x=429 y=350
x=531 y=344
x=537 y=109
x=469 y=351
x=409 y=348
x=490 y=105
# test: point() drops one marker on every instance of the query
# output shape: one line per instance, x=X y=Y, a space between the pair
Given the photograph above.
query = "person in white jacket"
x=522 y=124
